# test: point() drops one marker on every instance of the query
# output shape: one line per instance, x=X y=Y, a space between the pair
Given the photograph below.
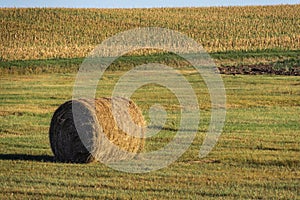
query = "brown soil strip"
x=259 y=70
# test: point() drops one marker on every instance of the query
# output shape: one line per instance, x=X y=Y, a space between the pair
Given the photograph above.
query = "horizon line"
x=149 y=7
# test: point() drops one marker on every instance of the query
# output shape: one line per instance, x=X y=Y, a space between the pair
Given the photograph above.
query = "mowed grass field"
x=257 y=155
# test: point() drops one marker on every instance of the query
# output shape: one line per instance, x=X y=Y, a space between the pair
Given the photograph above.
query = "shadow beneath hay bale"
x=26 y=157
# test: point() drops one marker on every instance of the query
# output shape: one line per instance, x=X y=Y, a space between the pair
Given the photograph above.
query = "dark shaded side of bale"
x=68 y=146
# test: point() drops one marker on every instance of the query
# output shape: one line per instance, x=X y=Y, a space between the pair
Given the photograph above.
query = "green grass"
x=256 y=157
x=275 y=58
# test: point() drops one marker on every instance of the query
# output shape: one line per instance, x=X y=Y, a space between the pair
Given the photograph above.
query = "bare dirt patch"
x=259 y=69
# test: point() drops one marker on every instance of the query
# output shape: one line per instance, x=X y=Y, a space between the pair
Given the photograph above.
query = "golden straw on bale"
x=99 y=133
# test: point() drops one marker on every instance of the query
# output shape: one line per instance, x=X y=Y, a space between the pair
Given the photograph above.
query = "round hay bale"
x=96 y=135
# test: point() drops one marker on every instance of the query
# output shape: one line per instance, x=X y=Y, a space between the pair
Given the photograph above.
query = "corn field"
x=39 y=33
